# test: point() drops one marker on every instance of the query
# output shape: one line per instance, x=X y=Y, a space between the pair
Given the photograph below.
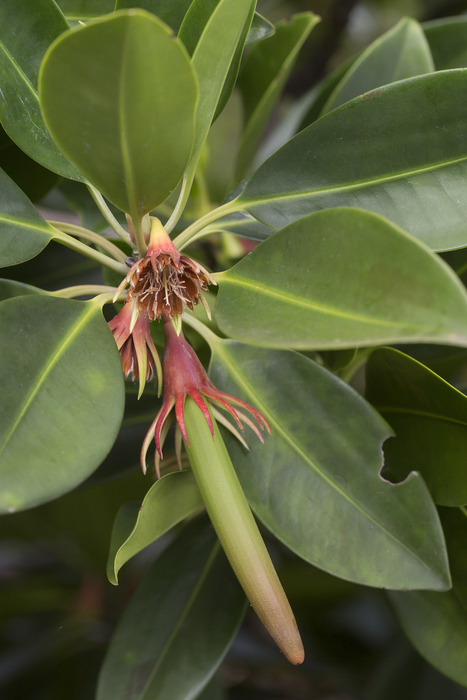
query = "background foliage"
x=302 y=314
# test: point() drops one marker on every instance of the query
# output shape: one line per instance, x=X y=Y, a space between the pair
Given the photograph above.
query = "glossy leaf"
x=213 y=55
x=436 y=623
x=85 y=9
x=411 y=139
x=34 y=180
x=263 y=76
x=119 y=97
x=62 y=391
x=23 y=232
x=10 y=289
x=26 y=30
x=400 y=53
x=54 y=268
x=429 y=418
x=170 y=12
x=261 y=28
x=447 y=38
x=246 y=226
x=315 y=482
x=177 y=627
x=170 y=500
x=328 y=281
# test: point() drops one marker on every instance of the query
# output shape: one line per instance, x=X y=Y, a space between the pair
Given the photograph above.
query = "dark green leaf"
x=261 y=28
x=400 y=53
x=448 y=41
x=23 y=232
x=34 y=180
x=213 y=54
x=315 y=482
x=62 y=397
x=26 y=30
x=119 y=97
x=246 y=226
x=328 y=281
x=178 y=626
x=170 y=500
x=429 y=418
x=10 y=289
x=436 y=623
x=85 y=9
x=411 y=140
x=171 y=12
x=54 y=268
x=263 y=76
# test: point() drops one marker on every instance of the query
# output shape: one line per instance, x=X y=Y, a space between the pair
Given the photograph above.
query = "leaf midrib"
x=417 y=412
x=370 y=182
x=20 y=72
x=187 y=609
x=261 y=288
x=40 y=379
x=220 y=351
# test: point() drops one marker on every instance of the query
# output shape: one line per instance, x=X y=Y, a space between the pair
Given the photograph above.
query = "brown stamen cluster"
x=162 y=284
x=164 y=281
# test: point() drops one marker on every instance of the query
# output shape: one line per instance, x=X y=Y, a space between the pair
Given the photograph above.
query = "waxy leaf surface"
x=436 y=623
x=119 y=97
x=62 y=397
x=262 y=78
x=23 y=231
x=341 y=278
x=177 y=627
x=26 y=31
x=171 y=499
x=85 y=9
x=400 y=151
x=170 y=12
x=315 y=482
x=447 y=39
x=400 y=53
x=429 y=417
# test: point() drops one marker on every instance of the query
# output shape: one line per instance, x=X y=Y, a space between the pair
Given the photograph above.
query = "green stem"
x=189 y=233
x=205 y=332
x=89 y=252
x=138 y=230
x=179 y=207
x=238 y=533
x=108 y=216
x=83 y=289
x=92 y=237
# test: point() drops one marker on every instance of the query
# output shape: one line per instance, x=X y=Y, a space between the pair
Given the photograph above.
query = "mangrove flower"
x=184 y=375
x=164 y=281
x=137 y=350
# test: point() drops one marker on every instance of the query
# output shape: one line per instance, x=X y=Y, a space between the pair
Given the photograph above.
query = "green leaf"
x=429 y=418
x=411 y=139
x=213 y=56
x=34 y=180
x=436 y=623
x=400 y=53
x=62 y=397
x=328 y=281
x=315 y=482
x=263 y=76
x=261 y=28
x=245 y=226
x=85 y=9
x=26 y=30
x=169 y=11
x=54 y=268
x=177 y=627
x=23 y=232
x=170 y=500
x=448 y=41
x=10 y=289
x=119 y=97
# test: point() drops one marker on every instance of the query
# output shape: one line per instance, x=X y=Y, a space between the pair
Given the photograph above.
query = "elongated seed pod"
x=238 y=533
